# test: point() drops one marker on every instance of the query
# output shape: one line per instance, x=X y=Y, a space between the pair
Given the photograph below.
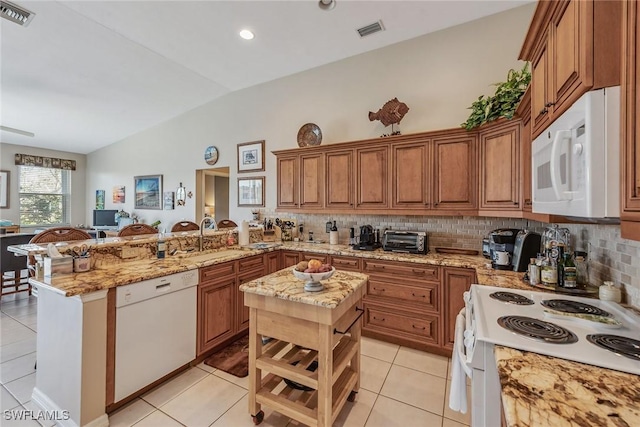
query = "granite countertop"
x=282 y=284
x=542 y=391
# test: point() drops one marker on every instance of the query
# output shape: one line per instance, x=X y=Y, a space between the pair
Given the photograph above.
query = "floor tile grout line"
x=174 y=396
x=229 y=408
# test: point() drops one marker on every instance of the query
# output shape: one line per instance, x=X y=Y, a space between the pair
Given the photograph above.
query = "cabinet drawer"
x=215 y=272
x=251 y=263
x=306 y=256
x=402 y=270
x=391 y=321
x=426 y=295
x=346 y=263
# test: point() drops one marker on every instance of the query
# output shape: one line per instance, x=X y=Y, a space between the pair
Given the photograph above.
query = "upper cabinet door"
x=541 y=88
x=411 y=172
x=311 y=181
x=500 y=166
x=339 y=184
x=630 y=143
x=455 y=183
x=288 y=182
x=572 y=38
x=372 y=178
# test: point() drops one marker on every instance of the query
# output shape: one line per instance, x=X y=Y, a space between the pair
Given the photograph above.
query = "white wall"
x=78 y=181
x=438 y=76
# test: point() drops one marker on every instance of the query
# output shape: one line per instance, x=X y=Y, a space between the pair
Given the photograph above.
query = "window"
x=45 y=196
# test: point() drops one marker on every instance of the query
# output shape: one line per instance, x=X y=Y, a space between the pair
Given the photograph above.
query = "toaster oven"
x=413 y=242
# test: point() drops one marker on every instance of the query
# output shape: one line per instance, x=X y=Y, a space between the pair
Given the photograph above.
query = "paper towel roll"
x=243 y=234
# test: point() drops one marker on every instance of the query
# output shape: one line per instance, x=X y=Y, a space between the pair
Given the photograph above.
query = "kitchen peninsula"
x=80 y=334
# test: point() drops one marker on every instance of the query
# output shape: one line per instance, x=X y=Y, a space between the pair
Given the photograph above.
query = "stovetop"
x=488 y=312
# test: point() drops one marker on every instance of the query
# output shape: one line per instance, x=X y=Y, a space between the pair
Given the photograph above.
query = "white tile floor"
x=399 y=386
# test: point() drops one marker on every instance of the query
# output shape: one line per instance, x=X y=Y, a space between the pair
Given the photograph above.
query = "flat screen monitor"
x=105 y=218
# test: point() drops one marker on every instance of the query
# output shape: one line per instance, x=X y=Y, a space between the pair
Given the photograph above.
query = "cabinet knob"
x=378 y=318
x=516 y=203
x=435 y=204
x=417 y=327
x=543 y=111
x=414 y=295
x=549 y=104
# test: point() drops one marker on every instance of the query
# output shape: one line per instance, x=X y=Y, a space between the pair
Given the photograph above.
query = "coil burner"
x=537 y=329
x=511 y=298
x=623 y=346
x=576 y=307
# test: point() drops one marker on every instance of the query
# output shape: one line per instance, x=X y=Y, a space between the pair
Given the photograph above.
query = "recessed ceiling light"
x=246 y=34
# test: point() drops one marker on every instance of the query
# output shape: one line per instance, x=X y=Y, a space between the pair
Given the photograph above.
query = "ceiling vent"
x=370 y=29
x=15 y=13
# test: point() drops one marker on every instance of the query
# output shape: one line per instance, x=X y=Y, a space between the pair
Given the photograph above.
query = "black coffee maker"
x=501 y=245
x=369 y=240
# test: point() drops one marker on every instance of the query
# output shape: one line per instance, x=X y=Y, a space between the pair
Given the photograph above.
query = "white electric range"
x=574 y=328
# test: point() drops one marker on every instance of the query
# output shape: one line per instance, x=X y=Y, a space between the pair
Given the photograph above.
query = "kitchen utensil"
x=309 y=135
x=81 y=250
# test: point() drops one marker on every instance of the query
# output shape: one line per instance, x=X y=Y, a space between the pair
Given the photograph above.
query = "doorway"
x=212 y=193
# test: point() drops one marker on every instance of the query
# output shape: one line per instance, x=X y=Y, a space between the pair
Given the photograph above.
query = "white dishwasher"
x=155 y=330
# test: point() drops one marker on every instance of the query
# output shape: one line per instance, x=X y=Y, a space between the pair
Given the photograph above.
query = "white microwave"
x=576 y=161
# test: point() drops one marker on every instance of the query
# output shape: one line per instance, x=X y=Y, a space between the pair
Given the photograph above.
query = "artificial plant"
x=503 y=103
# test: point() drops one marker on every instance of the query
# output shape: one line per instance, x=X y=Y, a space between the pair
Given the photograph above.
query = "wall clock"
x=211 y=155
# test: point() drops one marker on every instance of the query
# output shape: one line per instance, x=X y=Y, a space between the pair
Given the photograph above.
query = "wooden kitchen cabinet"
x=290 y=258
x=499 y=146
x=413 y=174
x=455 y=177
x=249 y=269
x=347 y=263
x=403 y=311
x=455 y=282
x=524 y=113
x=216 y=313
x=311 y=181
x=287 y=182
x=272 y=260
x=372 y=177
x=307 y=256
x=630 y=122
x=339 y=179
x=573 y=47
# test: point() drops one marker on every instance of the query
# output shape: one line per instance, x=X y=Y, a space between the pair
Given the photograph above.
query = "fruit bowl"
x=313 y=279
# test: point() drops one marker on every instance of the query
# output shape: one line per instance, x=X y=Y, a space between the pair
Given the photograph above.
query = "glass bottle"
x=549 y=273
x=534 y=272
x=580 y=259
x=570 y=272
x=560 y=271
x=161 y=246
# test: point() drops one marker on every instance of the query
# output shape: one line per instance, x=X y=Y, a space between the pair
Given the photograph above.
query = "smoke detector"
x=370 y=29
x=15 y=13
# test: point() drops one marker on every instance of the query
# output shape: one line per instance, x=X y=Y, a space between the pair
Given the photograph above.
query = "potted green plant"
x=503 y=103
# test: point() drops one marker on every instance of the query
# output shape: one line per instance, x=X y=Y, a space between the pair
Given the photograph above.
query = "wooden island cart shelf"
x=313 y=360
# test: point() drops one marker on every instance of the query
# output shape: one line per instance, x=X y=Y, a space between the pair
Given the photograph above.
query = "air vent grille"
x=370 y=29
x=15 y=13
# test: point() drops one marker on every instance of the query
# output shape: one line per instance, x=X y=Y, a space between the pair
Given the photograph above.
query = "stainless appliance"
x=485 y=248
x=526 y=246
x=413 y=242
x=493 y=316
x=501 y=244
x=367 y=239
x=576 y=161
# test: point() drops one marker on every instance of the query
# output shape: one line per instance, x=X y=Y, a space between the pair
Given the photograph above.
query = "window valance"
x=45 y=162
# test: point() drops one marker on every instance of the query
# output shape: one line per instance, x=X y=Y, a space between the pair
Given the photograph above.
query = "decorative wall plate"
x=211 y=155
x=309 y=135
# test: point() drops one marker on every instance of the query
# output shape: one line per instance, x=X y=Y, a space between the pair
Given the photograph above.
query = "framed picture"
x=169 y=200
x=251 y=191
x=4 y=189
x=251 y=156
x=118 y=194
x=99 y=199
x=148 y=192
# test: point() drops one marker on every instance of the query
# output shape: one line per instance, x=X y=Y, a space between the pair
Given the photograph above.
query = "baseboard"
x=43 y=402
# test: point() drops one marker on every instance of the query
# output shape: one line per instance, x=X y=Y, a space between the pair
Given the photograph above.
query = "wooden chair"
x=14 y=276
x=136 y=229
x=184 y=226
x=60 y=234
x=226 y=223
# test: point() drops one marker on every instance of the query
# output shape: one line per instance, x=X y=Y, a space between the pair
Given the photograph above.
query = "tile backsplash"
x=609 y=256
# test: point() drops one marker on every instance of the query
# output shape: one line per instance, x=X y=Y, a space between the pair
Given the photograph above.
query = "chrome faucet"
x=211 y=226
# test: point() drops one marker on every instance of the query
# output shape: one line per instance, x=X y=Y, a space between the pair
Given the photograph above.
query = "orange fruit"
x=314 y=263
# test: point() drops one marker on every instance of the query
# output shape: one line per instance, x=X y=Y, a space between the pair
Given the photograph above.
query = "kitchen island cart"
x=312 y=363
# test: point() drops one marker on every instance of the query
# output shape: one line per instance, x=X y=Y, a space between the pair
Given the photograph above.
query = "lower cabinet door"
x=401 y=326
x=215 y=313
